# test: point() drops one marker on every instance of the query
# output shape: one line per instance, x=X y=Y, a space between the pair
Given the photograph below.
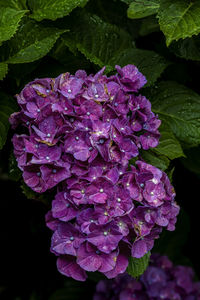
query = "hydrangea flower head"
x=112 y=216
x=82 y=117
x=79 y=133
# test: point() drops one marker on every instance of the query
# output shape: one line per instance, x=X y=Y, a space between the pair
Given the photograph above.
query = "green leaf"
x=3 y=70
x=169 y=145
x=7 y=107
x=127 y=1
x=96 y=39
x=188 y=48
x=179 y=19
x=137 y=266
x=9 y=22
x=31 y=42
x=149 y=25
x=65 y=57
x=180 y=107
x=153 y=158
x=148 y=62
x=142 y=8
x=16 y=4
x=48 y=9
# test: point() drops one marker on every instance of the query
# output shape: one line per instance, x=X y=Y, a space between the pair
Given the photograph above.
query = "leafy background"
x=43 y=38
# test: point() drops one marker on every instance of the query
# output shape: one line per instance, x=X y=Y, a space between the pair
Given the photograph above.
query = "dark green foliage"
x=43 y=38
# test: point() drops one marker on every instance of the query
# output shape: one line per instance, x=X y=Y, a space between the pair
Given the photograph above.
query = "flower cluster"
x=105 y=215
x=80 y=133
x=161 y=280
x=74 y=119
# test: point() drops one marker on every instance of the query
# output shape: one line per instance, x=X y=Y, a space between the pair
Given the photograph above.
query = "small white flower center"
x=154 y=180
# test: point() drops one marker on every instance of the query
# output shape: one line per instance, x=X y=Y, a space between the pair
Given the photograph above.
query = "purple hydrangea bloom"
x=85 y=117
x=161 y=280
x=80 y=133
x=108 y=211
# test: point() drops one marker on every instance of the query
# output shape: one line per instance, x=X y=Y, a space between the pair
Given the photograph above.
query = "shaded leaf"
x=16 y=4
x=127 y=1
x=9 y=21
x=153 y=158
x=96 y=39
x=179 y=19
x=142 y=8
x=31 y=42
x=180 y=107
x=188 y=48
x=48 y=9
x=168 y=145
x=149 y=25
x=64 y=56
x=7 y=107
x=137 y=266
x=3 y=70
